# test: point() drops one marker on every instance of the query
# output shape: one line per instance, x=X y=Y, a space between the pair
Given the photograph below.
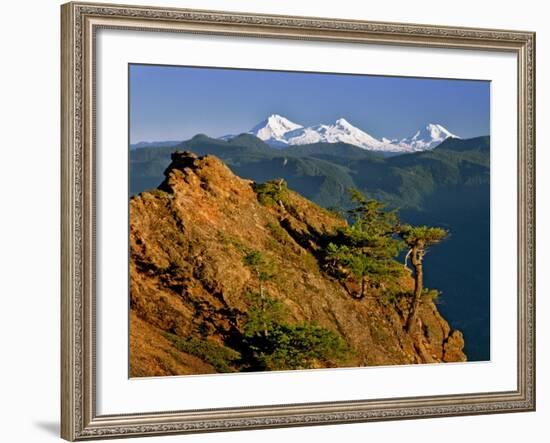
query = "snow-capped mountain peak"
x=428 y=137
x=433 y=131
x=341 y=131
x=342 y=122
x=280 y=132
x=273 y=128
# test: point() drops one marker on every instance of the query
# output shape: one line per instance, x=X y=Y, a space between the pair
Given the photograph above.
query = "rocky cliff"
x=190 y=286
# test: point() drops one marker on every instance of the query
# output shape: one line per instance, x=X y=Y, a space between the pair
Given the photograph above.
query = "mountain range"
x=163 y=144
x=279 y=132
x=323 y=172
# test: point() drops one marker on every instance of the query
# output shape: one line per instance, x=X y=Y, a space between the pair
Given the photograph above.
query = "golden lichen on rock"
x=190 y=286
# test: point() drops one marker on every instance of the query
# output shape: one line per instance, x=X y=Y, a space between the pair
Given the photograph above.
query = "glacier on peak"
x=280 y=132
x=428 y=137
x=273 y=129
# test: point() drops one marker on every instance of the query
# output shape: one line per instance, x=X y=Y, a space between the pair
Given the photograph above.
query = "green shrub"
x=230 y=241
x=264 y=314
x=270 y=343
x=431 y=294
x=298 y=346
x=389 y=298
x=221 y=357
x=272 y=192
x=263 y=268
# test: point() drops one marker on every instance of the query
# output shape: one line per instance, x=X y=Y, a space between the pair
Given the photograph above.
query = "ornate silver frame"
x=80 y=21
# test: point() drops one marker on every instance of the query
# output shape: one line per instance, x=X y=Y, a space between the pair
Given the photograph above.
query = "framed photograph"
x=277 y=221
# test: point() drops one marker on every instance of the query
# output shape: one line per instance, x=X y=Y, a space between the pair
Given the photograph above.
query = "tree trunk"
x=262 y=304
x=363 y=284
x=418 y=286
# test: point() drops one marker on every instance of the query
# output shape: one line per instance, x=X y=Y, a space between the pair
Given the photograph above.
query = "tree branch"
x=407 y=258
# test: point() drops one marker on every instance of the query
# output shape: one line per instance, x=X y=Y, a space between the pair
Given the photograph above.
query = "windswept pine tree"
x=367 y=248
x=418 y=240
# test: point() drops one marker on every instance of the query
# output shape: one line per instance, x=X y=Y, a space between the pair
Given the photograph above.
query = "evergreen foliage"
x=221 y=357
x=263 y=268
x=368 y=247
x=263 y=314
x=271 y=343
x=422 y=236
x=296 y=346
x=418 y=239
x=272 y=192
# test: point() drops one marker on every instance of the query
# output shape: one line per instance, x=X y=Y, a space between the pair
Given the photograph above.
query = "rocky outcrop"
x=188 y=278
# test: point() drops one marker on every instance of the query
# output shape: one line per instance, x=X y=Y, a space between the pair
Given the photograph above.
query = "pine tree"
x=366 y=249
x=264 y=271
x=418 y=239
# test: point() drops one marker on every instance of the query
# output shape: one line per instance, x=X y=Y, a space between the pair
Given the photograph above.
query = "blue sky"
x=175 y=103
